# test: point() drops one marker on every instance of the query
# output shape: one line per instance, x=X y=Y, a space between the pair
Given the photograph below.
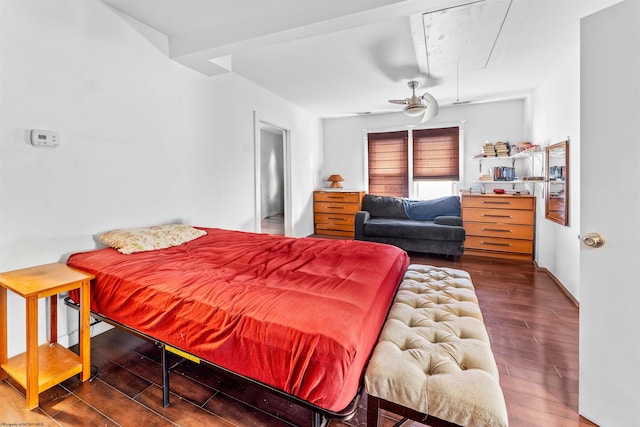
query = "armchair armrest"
x=360 y=219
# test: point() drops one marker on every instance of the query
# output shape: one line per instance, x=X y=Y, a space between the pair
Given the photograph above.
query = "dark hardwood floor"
x=533 y=328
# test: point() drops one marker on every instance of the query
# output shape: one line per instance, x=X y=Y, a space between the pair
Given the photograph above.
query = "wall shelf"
x=531 y=156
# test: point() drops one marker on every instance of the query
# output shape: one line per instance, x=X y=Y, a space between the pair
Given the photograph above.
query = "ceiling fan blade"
x=399 y=101
x=432 y=107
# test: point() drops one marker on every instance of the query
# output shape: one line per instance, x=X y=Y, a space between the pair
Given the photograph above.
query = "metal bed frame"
x=320 y=418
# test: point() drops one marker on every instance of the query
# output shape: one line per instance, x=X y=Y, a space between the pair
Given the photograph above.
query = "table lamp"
x=335 y=181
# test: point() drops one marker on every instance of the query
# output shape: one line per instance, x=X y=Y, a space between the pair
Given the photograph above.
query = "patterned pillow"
x=147 y=239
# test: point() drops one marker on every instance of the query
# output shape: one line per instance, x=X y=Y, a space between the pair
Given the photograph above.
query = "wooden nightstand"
x=42 y=367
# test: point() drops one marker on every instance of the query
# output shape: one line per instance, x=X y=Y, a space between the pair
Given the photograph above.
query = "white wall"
x=344 y=138
x=555 y=111
x=144 y=140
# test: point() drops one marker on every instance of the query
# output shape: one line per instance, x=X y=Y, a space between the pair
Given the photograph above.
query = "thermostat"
x=44 y=138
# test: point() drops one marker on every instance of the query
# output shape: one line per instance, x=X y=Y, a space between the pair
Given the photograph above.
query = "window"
x=388 y=163
x=435 y=154
x=432 y=156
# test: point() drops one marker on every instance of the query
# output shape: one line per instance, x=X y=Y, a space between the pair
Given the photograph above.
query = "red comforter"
x=301 y=315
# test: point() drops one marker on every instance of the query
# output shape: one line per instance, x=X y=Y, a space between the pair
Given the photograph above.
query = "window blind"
x=436 y=154
x=389 y=163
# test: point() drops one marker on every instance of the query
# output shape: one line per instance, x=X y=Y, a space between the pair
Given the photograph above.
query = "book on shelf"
x=504 y=173
x=502 y=149
x=489 y=150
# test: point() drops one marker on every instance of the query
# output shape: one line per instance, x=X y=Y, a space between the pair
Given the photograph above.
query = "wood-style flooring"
x=533 y=328
x=273 y=224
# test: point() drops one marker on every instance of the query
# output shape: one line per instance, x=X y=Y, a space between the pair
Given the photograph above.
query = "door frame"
x=260 y=123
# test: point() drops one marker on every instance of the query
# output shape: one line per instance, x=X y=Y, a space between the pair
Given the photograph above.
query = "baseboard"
x=558 y=283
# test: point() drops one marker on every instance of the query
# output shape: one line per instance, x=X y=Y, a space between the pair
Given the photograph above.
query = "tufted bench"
x=433 y=362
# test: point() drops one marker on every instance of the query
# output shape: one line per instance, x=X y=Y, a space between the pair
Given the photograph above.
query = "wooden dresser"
x=500 y=226
x=334 y=212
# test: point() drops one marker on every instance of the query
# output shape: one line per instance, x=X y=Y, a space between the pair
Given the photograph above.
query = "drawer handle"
x=496 y=216
x=495 y=203
x=495 y=244
x=335 y=197
x=338 y=219
x=495 y=229
x=335 y=207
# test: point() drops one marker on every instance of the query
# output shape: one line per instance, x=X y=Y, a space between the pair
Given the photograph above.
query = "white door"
x=610 y=205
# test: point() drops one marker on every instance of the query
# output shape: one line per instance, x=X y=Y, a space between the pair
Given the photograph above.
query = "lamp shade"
x=335 y=181
x=414 y=110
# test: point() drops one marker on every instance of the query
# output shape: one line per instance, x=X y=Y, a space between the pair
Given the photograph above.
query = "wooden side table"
x=42 y=367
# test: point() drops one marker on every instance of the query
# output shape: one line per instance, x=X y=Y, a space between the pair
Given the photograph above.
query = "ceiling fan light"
x=414 y=110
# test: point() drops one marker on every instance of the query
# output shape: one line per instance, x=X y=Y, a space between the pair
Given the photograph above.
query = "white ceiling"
x=340 y=57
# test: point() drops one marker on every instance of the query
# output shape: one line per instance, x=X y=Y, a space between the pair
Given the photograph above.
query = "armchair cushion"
x=448 y=220
x=410 y=229
x=384 y=206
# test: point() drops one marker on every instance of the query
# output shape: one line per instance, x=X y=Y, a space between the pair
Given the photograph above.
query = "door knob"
x=593 y=240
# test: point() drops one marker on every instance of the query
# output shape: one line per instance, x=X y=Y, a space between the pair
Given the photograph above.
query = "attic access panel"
x=463 y=36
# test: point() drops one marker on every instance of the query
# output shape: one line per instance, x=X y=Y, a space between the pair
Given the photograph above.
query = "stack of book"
x=489 y=150
x=486 y=177
x=502 y=149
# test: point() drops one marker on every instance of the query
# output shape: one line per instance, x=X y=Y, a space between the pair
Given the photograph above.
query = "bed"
x=297 y=315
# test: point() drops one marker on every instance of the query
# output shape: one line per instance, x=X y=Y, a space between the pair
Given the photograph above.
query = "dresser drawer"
x=336 y=227
x=330 y=218
x=336 y=197
x=344 y=208
x=510 y=231
x=498 y=216
x=497 y=244
x=498 y=202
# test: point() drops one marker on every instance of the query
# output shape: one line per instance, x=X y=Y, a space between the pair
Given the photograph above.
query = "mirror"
x=557 y=183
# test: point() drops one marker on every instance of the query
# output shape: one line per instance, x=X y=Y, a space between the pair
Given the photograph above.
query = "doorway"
x=271 y=142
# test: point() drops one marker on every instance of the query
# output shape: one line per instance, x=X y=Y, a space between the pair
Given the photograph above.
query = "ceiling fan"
x=417 y=105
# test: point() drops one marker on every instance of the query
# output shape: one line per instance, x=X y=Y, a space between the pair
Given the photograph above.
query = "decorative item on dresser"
x=334 y=211
x=335 y=181
x=499 y=225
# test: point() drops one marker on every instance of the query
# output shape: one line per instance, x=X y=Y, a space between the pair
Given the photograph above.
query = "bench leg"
x=373 y=411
